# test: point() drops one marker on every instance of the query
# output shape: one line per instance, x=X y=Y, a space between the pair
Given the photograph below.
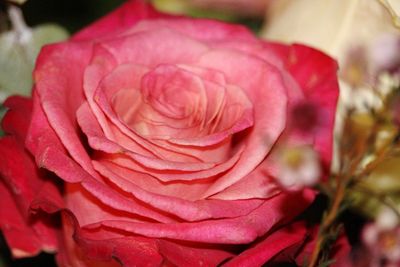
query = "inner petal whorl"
x=174 y=93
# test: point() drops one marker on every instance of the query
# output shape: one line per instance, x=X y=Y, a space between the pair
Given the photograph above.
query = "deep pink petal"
x=120 y=19
x=79 y=249
x=16 y=120
x=316 y=73
x=27 y=234
x=20 y=236
x=181 y=255
x=269 y=247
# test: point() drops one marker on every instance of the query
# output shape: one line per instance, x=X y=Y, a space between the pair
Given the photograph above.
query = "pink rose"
x=155 y=138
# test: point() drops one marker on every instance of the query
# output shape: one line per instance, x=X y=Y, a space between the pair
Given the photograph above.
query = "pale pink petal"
x=164 y=174
x=179 y=189
x=257 y=184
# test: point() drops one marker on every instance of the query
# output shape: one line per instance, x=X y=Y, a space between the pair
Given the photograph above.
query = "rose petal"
x=184 y=190
x=194 y=256
x=201 y=29
x=249 y=76
x=20 y=236
x=316 y=74
x=16 y=121
x=122 y=18
x=187 y=210
x=18 y=188
x=242 y=230
x=269 y=247
x=58 y=77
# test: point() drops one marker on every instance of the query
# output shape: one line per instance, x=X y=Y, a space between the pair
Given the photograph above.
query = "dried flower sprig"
x=369 y=139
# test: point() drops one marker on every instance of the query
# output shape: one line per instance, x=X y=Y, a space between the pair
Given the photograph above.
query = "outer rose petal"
x=194 y=256
x=315 y=72
x=272 y=245
x=340 y=251
x=58 y=76
x=123 y=17
x=26 y=233
x=20 y=236
x=242 y=230
x=16 y=120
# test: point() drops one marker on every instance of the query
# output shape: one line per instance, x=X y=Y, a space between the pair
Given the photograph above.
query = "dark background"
x=71 y=14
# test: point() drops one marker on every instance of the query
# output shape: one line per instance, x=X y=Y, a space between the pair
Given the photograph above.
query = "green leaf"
x=17 y=57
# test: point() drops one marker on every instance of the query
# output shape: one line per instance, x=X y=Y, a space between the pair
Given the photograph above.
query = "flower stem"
x=328 y=221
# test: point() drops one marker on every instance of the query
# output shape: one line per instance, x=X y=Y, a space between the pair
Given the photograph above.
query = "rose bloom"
x=151 y=140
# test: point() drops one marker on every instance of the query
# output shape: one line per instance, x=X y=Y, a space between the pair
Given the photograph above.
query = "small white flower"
x=299 y=167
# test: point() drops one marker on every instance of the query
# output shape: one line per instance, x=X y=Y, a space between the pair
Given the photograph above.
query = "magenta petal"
x=127 y=251
x=81 y=250
x=183 y=255
x=316 y=73
x=123 y=17
x=272 y=245
x=16 y=120
x=20 y=236
x=27 y=234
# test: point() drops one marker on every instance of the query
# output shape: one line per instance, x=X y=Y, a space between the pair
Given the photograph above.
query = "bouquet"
x=152 y=139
